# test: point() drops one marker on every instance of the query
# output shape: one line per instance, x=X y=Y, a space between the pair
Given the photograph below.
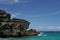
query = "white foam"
x=40 y=34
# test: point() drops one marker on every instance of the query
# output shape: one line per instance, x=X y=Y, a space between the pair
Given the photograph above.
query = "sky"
x=43 y=15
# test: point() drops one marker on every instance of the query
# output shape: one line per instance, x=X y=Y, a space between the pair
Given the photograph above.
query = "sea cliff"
x=14 y=27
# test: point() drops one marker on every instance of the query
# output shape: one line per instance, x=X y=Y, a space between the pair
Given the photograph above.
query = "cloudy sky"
x=43 y=15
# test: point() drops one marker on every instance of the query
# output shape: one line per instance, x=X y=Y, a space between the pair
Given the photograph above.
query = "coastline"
x=14 y=27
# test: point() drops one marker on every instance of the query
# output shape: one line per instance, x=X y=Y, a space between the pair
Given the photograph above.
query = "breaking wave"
x=42 y=34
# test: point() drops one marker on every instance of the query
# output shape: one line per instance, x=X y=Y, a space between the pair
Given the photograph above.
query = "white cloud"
x=16 y=0
x=46 y=28
x=15 y=15
x=12 y=1
x=50 y=28
x=51 y=14
x=8 y=1
x=57 y=12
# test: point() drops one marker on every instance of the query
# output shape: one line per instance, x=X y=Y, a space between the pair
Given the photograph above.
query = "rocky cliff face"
x=4 y=16
x=12 y=27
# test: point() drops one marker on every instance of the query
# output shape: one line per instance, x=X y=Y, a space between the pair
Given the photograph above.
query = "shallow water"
x=44 y=36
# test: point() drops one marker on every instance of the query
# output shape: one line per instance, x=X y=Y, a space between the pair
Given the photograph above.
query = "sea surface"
x=43 y=36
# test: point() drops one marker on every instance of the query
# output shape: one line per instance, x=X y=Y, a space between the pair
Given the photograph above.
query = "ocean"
x=43 y=36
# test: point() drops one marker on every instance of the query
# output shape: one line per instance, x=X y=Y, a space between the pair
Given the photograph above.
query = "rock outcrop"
x=14 y=27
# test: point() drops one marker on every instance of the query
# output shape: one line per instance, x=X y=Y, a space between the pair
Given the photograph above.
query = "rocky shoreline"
x=14 y=27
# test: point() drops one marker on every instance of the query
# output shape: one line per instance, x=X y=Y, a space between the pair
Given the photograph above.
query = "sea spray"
x=40 y=34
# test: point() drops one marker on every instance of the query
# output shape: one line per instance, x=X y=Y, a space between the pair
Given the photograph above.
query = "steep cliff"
x=13 y=27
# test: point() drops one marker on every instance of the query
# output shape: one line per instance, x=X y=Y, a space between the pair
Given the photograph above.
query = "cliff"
x=14 y=27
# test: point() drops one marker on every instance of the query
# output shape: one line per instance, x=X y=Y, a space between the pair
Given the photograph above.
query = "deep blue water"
x=43 y=36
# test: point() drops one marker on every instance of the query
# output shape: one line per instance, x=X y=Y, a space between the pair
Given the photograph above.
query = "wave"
x=42 y=34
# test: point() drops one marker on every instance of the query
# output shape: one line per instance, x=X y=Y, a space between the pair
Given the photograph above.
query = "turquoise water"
x=44 y=36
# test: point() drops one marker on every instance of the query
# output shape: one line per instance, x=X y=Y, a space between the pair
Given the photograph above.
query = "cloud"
x=45 y=28
x=51 y=14
x=15 y=15
x=55 y=13
x=49 y=28
x=12 y=1
x=16 y=0
x=58 y=12
x=8 y=1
